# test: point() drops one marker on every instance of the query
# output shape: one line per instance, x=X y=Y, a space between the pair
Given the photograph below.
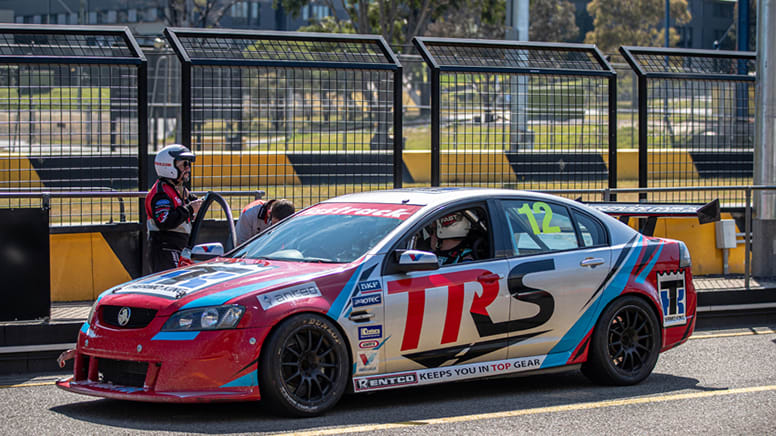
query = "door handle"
x=489 y=277
x=361 y=316
x=592 y=262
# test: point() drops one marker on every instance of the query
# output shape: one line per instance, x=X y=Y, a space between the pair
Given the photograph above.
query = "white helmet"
x=166 y=157
x=453 y=226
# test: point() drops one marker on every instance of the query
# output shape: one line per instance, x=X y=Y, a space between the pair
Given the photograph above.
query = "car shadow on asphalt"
x=394 y=406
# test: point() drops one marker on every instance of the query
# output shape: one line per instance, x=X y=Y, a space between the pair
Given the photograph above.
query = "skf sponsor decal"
x=178 y=283
x=673 y=298
x=395 y=211
x=367 y=300
x=370 y=332
x=384 y=381
x=298 y=292
x=460 y=372
x=369 y=286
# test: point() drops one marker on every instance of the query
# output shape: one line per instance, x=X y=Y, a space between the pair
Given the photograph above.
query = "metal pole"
x=398 y=135
x=642 y=136
x=747 y=237
x=436 y=106
x=612 y=135
x=764 y=224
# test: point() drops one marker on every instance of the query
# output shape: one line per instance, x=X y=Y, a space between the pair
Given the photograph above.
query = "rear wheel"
x=625 y=343
x=304 y=366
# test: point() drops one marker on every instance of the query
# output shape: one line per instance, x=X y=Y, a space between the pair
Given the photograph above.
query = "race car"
x=381 y=290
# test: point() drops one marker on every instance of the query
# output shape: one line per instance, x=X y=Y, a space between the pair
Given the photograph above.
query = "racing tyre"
x=303 y=368
x=625 y=343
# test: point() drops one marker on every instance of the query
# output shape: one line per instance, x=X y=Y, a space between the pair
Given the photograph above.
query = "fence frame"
x=437 y=68
x=630 y=52
x=138 y=60
x=173 y=35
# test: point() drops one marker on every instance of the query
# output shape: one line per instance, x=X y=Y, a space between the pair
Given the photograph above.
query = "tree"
x=471 y=19
x=552 y=21
x=194 y=13
x=633 y=22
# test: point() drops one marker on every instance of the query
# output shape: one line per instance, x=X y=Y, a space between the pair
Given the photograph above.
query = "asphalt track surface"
x=720 y=382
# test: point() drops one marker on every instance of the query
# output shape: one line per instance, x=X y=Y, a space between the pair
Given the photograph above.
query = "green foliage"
x=633 y=22
x=552 y=21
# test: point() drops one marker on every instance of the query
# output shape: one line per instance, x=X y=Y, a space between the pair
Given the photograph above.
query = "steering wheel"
x=211 y=197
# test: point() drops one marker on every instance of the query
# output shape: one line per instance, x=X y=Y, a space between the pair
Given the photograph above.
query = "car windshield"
x=328 y=233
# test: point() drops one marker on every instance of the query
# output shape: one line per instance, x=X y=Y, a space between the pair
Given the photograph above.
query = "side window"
x=539 y=227
x=592 y=231
x=456 y=237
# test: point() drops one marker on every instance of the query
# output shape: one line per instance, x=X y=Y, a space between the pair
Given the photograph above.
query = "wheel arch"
x=304 y=311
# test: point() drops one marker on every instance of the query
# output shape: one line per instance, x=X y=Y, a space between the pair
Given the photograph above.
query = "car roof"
x=435 y=196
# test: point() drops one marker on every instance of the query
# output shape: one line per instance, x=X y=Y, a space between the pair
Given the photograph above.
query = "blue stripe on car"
x=344 y=295
x=248 y=380
x=645 y=272
x=222 y=297
x=580 y=328
x=85 y=327
x=175 y=336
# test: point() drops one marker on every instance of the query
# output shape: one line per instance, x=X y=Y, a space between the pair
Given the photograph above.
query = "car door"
x=560 y=258
x=432 y=317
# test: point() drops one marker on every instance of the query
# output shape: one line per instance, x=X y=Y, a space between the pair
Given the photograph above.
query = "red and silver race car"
x=397 y=288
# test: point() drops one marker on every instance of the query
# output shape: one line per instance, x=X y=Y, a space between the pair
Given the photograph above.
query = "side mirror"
x=415 y=260
x=207 y=251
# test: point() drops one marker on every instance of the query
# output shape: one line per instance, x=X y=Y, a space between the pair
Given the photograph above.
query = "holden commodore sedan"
x=382 y=290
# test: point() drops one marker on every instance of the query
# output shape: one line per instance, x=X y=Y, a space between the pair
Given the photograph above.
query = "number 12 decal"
x=539 y=207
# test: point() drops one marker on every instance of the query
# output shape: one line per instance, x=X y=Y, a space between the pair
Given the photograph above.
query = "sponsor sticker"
x=396 y=211
x=459 y=372
x=369 y=286
x=673 y=298
x=367 y=361
x=367 y=300
x=368 y=344
x=179 y=283
x=370 y=332
x=385 y=381
x=286 y=295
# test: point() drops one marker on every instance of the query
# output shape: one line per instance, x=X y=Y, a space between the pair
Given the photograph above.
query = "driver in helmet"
x=170 y=207
x=448 y=239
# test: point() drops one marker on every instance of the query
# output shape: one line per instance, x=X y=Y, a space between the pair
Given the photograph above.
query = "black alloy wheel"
x=303 y=370
x=625 y=343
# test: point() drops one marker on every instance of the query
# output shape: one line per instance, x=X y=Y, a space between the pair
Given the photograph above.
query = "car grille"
x=122 y=372
x=138 y=317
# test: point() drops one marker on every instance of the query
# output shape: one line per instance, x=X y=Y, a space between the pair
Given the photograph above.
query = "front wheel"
x=625 y=343
x=303 y=369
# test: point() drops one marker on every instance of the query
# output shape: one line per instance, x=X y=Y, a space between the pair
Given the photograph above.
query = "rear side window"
x=591 y=230
x=539 y=227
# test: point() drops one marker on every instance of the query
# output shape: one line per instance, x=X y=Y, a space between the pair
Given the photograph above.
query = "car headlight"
x=684 y=256
x=92 y=313
x=205 y=318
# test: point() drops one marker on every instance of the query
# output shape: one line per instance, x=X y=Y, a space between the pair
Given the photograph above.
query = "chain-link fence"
x=72 y=114
x=696 y=121
x=301 y=116
x=520 y=115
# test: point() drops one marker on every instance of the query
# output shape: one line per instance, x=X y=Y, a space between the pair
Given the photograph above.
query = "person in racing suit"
x=170 y=207
x=261 y=214
x=448 y=239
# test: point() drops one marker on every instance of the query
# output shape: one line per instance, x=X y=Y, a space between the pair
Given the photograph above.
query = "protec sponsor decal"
x=370 y=286
x=673 y=298
x=367 y=300
x=385 y=381
x=395 y=211
x=286 y=295
x=459 y=372
x=370 y=332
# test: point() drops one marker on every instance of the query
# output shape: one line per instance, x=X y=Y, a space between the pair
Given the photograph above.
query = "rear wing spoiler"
x=706 y=213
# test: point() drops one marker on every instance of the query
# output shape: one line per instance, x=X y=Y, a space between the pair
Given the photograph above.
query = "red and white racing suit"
x=169 y=223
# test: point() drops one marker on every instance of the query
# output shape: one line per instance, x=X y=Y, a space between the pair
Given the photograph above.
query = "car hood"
x=214 y=283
